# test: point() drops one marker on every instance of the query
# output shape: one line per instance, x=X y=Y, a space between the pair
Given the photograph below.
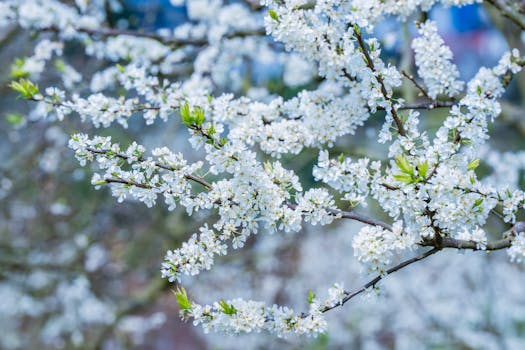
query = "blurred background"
x=80 y=271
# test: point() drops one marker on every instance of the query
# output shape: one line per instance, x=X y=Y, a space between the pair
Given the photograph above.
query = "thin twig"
x=167 y=40
x=361 y=218
x=427 y=105
x=507 y=11
x=191 y=177
x=379 y=78
x=372 y=283
x=416 y=84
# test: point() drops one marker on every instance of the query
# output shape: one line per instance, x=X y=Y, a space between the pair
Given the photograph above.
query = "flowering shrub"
x=427 y=185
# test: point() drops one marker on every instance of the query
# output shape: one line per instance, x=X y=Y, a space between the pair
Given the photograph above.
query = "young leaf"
x=15 y=119
x=311 y=297
x=403 y=178
x=473 y=164
x=211 y=130
x=185 y=114
x=478 y=202
x=404 y=165
x=121 y=68
x=198 y=115
x=422 y=169
x=17 y=69
x=182 y=299
x=227 y=309
x=25 y=88
x=60 y=66
x=273 y=15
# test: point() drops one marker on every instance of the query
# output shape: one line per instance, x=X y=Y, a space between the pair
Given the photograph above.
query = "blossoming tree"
x=427 y=185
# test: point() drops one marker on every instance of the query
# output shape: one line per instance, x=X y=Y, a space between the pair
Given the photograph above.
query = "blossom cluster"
x=432 y=185
x=428 y=185
x=264 y=198
x=145 y=178
x=244 y=316
x=433 y=60
x=375 y=247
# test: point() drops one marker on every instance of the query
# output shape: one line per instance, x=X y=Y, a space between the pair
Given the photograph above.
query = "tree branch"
x=167 y=40
x=428 y=105
x=508 y=11
x=449 y=242
x=379 y=78
x=372 y=283
x=191 y=177
x=361 y=218
x=416 y=84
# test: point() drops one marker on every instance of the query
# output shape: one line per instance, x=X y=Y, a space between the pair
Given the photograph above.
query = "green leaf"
x=17 y=69
x=473 y=164
x=403 y=178
x=25 y=88
x=227 y=309
x=341 y=158
x=60 y=66
x=182 y=299
x=198 y=115
x=121 y=68
x=185 y=114
x=404 y=165
x=14 y=118
x=478 y=202
x=311 y=297
x=422 y=169
x=273 y=15
x=211 y=130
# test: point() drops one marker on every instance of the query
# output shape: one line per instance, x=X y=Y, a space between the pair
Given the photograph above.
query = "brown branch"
x=448 y=242
x=416 y=84
x=508 y=11
x=191 y=177
x=372 y=283
x=379 y=78
x=427 y=105
x=127 y=182
x=351 y=215
x=109 y=32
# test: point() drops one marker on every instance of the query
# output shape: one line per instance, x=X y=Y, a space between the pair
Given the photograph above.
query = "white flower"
x=434 y=62
x=516 y=251
x=375 y=246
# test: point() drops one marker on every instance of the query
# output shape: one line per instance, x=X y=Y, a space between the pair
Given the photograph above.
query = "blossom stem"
x=416 y=84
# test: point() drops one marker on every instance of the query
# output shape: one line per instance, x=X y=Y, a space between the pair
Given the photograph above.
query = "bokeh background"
x=80 y=271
